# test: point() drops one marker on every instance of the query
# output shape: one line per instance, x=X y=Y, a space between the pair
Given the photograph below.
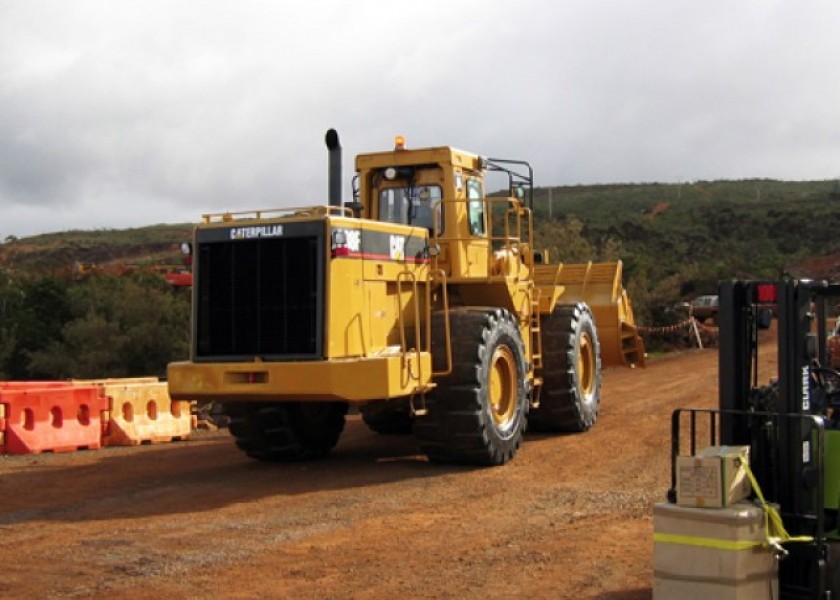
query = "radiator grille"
x=259 y=297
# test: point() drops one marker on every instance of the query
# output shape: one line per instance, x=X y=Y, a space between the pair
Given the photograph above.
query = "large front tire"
x=286 y=431
x=571 y=393
x=477 y=414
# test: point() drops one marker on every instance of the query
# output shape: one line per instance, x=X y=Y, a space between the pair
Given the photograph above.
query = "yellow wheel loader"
x=422 y=302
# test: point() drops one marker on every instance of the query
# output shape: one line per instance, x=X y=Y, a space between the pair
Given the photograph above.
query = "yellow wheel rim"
x=586 y=365
x=503 y=387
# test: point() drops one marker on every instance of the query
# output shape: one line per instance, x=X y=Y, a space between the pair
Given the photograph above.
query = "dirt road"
x=570 y=517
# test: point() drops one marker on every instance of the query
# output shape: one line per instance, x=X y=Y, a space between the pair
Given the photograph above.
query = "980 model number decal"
x=378 y=245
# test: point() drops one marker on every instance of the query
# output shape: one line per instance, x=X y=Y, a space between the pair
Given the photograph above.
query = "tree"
x=36 y=323
x=113 y=327
x=564 y=240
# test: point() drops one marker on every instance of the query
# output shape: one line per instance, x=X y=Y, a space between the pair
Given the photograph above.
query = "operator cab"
x=442 y=191
x=432 y=188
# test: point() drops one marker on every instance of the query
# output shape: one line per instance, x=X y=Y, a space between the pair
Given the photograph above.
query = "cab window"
x=411 y=205
x=475 y=207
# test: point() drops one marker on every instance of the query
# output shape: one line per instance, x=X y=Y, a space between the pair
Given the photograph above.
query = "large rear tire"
x=286 y=431
x=571 y=393
x=477 y=414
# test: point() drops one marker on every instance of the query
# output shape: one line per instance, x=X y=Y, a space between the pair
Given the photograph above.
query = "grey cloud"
x=115 y=115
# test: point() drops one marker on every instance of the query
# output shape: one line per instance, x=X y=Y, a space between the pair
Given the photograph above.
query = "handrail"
x=411 y=278
x=341 y=211
x=512 y=241
x=446 y=326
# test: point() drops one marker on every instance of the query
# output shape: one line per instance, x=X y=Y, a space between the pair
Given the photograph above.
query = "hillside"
x=679 y=240
x=704 y=219
x=107 y=249
x=676 y=240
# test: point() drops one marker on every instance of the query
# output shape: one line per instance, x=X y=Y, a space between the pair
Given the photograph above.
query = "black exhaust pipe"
x=334 y=146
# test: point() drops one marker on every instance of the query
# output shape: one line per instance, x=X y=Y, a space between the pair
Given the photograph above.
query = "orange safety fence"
x=50 y=417
x=142 y=412
x=687 y=324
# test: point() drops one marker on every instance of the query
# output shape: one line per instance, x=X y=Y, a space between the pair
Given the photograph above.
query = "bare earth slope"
x=568 y=518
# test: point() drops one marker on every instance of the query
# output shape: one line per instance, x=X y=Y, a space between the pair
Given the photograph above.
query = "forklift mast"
x=801 y=310
x=794 y=441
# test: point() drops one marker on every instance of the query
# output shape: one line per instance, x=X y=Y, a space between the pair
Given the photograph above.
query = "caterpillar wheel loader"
x=422 y=303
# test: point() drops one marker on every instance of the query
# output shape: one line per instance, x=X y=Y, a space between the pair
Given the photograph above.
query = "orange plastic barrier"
x=144 y=412
x=32 y=385
x=50 y=417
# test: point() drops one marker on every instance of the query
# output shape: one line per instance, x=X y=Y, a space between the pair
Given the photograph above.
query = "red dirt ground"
x=569 y=517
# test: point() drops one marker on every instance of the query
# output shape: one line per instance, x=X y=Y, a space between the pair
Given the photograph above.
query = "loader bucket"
x=599 y=285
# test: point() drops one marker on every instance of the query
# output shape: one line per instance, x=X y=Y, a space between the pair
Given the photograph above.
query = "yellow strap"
x=774 y=529
x=703 y=542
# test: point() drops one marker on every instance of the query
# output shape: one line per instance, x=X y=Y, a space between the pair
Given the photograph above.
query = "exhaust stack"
x=334 y=147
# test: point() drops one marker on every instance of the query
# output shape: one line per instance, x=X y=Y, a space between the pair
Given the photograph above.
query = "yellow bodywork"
x=375 y=344
x=350 y=379
x=379 y=294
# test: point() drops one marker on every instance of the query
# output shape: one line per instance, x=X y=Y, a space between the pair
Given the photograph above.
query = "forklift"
x=791 y=423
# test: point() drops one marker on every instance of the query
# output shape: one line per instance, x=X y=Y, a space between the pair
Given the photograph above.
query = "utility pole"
x=550 y=203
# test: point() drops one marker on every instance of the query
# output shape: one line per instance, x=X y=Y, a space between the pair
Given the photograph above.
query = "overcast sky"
x=128 y=113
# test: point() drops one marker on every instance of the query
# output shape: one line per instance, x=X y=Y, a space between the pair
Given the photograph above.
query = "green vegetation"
x=92 y=304
x=102 y=326
x=70 y=306
x=679 y=240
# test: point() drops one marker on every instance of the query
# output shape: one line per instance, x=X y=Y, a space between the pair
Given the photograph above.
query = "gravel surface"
x=569 y=517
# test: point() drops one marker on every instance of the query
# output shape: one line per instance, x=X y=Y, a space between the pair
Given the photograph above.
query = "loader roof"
x=442 y=155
